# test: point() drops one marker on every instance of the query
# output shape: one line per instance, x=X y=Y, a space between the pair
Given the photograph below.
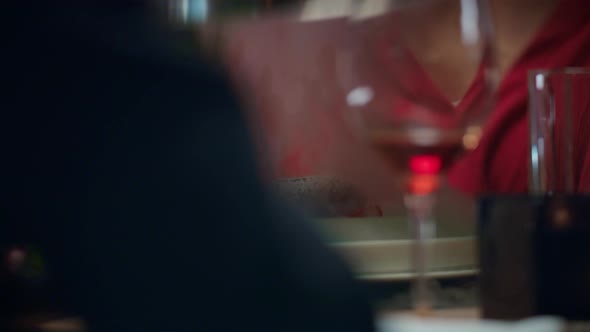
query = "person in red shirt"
x=500 y=163
x=530 y=34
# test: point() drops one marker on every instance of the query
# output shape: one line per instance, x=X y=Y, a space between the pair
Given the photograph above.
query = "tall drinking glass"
x=421 y=88
x=559 y=135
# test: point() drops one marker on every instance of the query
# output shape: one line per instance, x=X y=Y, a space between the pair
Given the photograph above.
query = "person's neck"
x=516 y=23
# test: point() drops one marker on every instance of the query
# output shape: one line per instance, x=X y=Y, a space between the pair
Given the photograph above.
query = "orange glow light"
x=423 y=184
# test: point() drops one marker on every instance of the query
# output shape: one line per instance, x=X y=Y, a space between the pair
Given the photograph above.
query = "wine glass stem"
x=420 y=207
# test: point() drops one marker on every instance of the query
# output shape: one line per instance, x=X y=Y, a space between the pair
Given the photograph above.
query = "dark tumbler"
x=535 y=256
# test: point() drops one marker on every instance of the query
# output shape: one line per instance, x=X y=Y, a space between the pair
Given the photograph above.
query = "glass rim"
x=560 y=71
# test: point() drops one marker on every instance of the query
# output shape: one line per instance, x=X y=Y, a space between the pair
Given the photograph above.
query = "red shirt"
x=303 y=136
x=500 y=163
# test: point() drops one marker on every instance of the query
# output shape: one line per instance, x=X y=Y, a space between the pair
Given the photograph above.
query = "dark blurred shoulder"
x=134 y=30
x=77 y=71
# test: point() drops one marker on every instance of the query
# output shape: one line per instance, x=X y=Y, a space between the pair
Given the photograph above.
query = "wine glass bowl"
x=419 y=88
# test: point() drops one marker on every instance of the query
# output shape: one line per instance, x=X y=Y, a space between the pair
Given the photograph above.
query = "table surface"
x=62 y=325
x=455 y=313
x=454 y=216
x=74 y=324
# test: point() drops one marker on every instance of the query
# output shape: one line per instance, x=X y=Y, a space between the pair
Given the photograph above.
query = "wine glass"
x=419 y=88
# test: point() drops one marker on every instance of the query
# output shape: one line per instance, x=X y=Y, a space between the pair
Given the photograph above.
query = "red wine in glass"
x=419 y=150
x=422 y=151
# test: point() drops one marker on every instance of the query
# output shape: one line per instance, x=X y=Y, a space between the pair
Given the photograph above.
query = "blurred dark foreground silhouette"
x=129 y=189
